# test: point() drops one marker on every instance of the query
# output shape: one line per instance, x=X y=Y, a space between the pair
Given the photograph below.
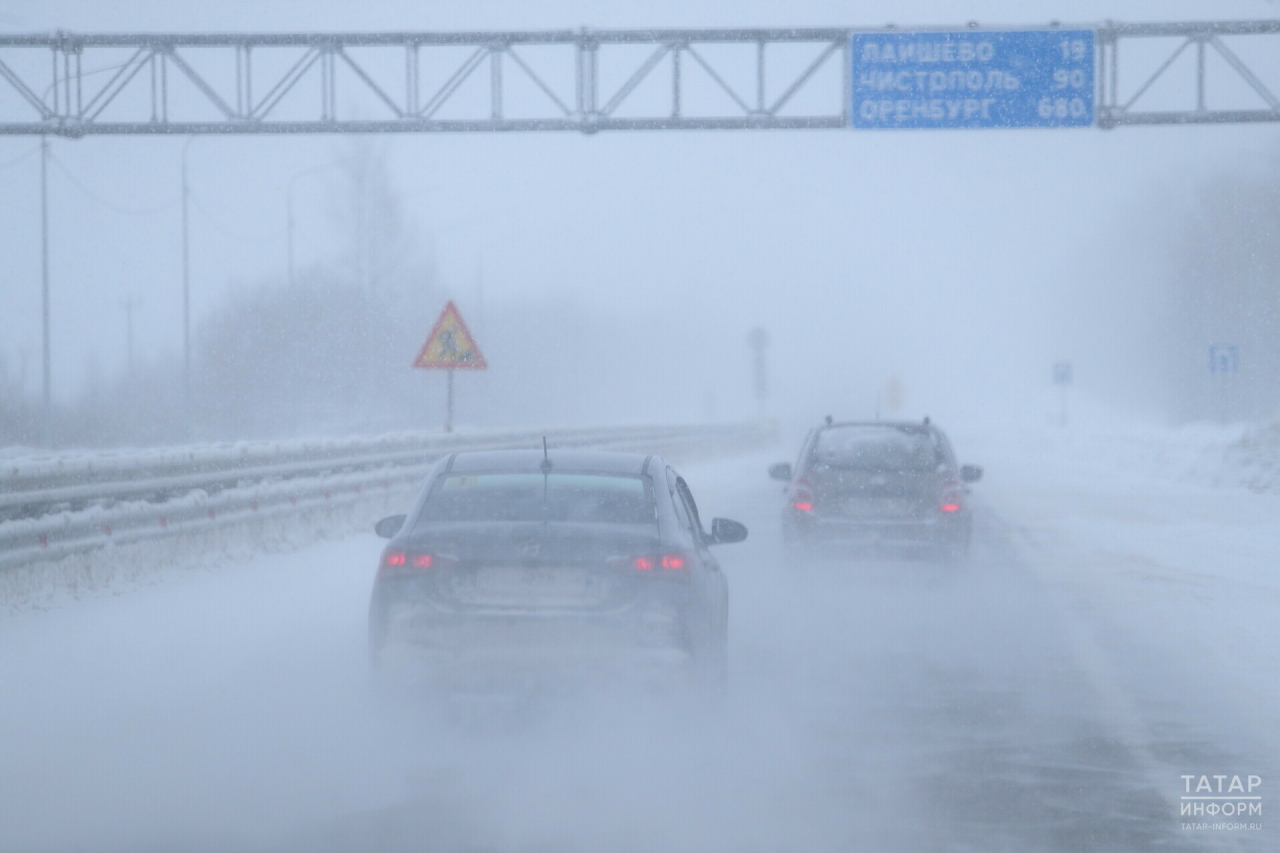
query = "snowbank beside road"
x=1255 y=457
x=1162 y=544
x=1236 y=456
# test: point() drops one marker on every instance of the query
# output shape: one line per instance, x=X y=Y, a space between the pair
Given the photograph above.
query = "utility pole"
x=186 y=286
x=44 y=276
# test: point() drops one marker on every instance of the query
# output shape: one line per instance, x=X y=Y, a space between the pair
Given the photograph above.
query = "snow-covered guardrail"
x=54 y=506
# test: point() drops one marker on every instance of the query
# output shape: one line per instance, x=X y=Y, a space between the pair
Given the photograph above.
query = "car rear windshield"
x=876 y=448
x=529 y=496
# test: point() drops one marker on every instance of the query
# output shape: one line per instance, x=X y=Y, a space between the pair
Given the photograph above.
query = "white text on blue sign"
x=973 y=79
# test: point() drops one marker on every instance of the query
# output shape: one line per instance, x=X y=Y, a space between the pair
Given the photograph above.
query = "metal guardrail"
x=50 y=508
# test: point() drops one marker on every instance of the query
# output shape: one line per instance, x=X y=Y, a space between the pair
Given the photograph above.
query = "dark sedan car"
x=880 y=485
x=518 y=566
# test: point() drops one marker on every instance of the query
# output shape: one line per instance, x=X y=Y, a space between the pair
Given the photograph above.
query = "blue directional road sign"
x=1224 y=358
x=973 y=79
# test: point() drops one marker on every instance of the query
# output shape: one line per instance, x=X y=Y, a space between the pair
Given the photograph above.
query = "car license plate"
x=533 y=587
x=876 y=507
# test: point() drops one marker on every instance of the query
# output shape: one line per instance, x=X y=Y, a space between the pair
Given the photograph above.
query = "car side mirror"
x=724 y=531
x=389 y=526
x=971 y=473
x=780 y=471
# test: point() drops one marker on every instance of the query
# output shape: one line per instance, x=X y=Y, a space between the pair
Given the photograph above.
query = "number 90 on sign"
x=1073 y=78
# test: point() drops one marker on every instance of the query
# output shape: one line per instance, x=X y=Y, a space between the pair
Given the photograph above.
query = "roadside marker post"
x=758 y=340
x=1063 y=376
x=450 y=347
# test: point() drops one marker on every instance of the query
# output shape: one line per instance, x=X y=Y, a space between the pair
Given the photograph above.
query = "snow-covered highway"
x=1112 y=632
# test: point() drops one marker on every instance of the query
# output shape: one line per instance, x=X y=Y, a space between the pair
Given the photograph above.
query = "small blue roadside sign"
x=1062 y=373
x=1224 y=358
x=973 y=79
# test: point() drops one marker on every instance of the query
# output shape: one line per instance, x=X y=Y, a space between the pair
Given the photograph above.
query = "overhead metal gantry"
x=581 y=80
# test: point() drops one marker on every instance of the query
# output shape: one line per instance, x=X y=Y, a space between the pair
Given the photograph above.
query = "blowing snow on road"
x=1049 y=694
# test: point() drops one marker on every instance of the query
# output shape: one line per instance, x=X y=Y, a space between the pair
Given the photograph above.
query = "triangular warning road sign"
x=450 y=346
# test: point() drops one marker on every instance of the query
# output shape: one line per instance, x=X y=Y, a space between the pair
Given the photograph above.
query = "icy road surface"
x=1113 y=631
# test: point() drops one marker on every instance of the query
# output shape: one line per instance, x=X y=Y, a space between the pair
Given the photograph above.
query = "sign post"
x=448 y=416
x=450 y=347
x=758 y=340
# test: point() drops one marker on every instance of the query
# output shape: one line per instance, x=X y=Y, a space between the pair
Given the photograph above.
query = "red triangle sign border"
x=479 y=363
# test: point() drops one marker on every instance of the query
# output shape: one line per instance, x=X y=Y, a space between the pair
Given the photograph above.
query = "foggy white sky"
x=951 y=259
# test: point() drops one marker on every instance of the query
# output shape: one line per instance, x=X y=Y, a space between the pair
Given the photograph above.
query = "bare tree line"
x=331 y=354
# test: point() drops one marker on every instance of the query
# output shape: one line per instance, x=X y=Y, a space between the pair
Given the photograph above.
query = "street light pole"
x=44 y=275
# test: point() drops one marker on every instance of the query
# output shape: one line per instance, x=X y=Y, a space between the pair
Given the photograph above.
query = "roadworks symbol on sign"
x=450 y=346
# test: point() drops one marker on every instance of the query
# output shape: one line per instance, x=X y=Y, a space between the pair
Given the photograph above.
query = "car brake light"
x=802 y=496
x=670 y=562
x=398 y=562
x=951 y=498
x=951 y=492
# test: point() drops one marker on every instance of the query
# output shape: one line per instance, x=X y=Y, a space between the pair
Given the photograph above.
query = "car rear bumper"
x=516 y=669
x=933 y=532
x=509 y=651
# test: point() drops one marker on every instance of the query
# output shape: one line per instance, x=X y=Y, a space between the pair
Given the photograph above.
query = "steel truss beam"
x=80 y=84
x=1201 y=100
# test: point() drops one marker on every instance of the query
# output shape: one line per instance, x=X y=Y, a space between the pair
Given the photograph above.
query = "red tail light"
x=951 y=501
x=669 y=562
x=801 y=496
x=397 y=562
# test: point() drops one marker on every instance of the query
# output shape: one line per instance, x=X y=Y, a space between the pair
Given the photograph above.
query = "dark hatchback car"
x=880 y=485
x=522 y=566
